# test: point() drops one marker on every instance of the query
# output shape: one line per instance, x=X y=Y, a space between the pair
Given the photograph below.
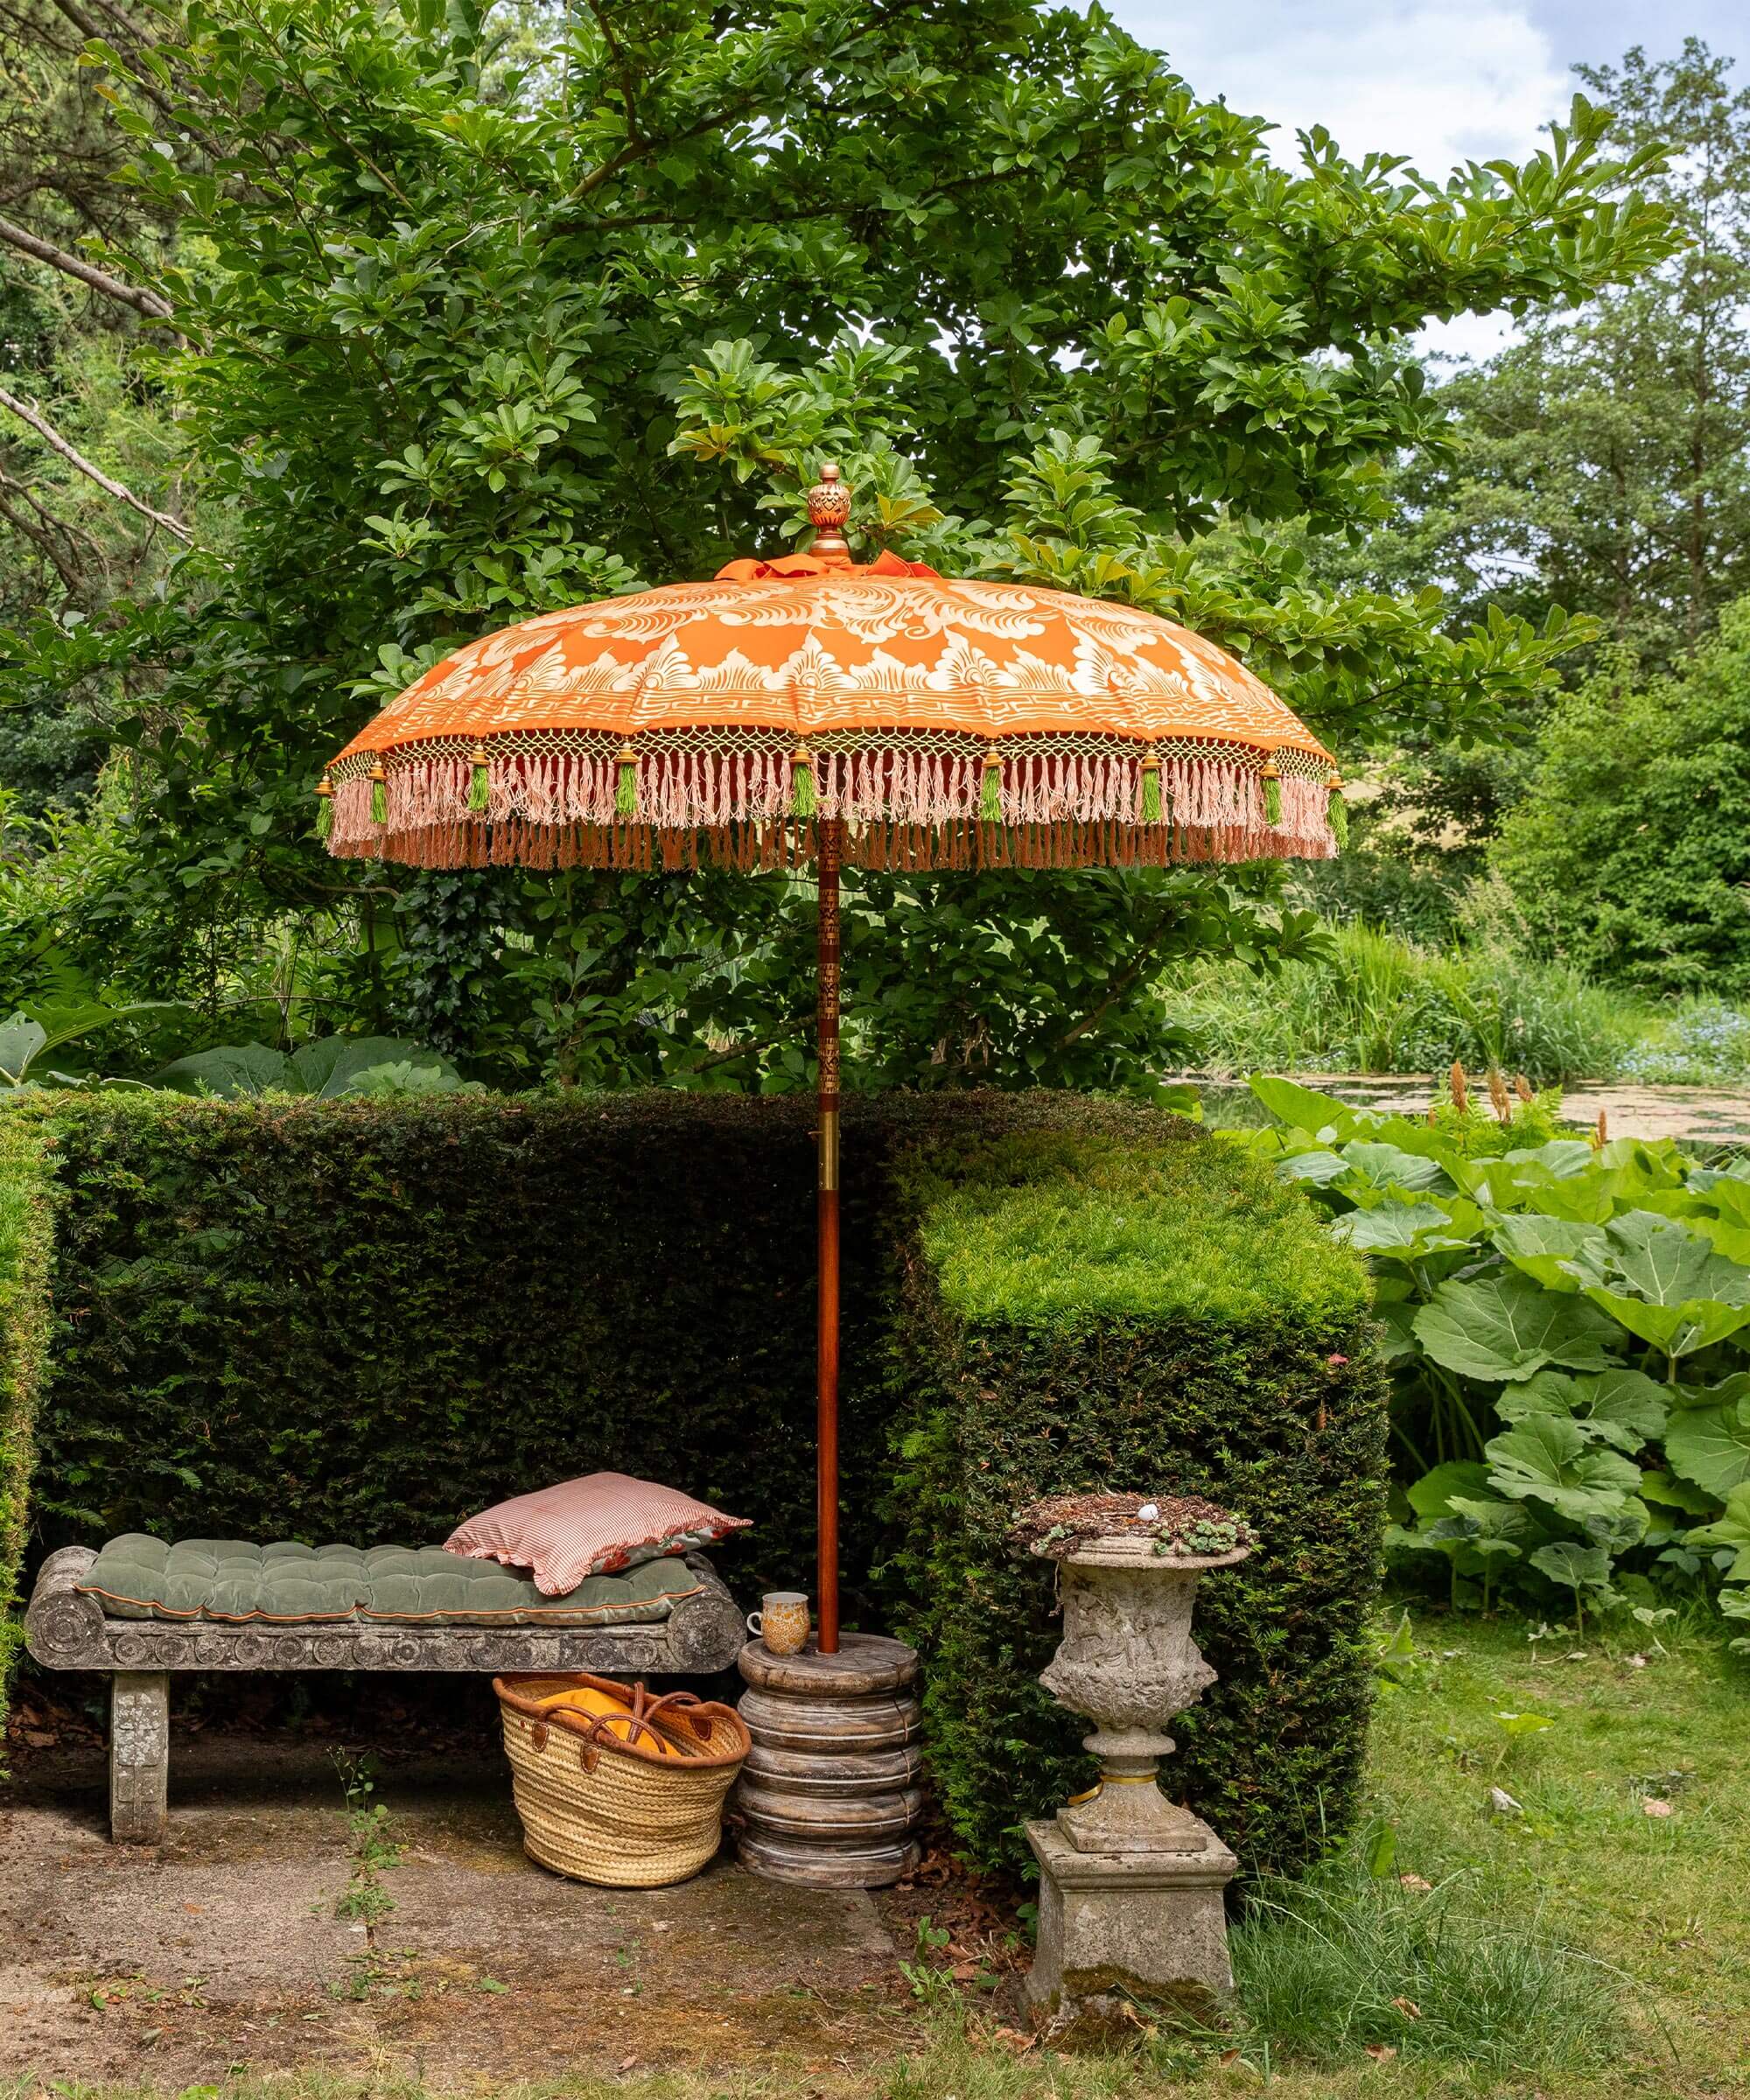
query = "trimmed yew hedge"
x=1095 y=1310
x=25 y=1202
x=362 y=1318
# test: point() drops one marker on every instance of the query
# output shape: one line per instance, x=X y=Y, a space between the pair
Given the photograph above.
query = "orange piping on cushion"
x=533 y=1613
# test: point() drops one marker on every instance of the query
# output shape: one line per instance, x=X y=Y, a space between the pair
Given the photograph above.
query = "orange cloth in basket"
x=615 y=1713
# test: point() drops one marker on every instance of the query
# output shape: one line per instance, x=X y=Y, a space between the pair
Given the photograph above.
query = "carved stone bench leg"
x=139 y=1756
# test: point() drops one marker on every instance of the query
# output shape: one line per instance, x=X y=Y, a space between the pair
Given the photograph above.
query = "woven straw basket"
x=618 y=1813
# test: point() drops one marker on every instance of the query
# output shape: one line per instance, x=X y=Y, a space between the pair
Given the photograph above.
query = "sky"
x=1441 y=80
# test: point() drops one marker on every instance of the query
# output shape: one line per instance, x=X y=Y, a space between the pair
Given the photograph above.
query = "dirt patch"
x=224 y=1949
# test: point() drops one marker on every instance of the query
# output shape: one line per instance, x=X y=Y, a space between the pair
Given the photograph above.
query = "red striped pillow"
x=595 y=1525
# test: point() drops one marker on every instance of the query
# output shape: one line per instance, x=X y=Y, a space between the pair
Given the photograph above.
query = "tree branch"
x=147 y=303
x=39 y=536
x=52 y=439
x=132 y=33
x=1117 y=989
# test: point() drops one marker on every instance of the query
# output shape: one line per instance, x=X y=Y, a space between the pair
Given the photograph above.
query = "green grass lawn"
x=1663 y=1901
x=1581 y=1948
x=1652 y=1994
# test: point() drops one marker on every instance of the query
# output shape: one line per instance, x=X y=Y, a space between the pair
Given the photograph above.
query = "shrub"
x=25 y=1206
x=361 y=1319
x=1568 y=1326
x=1144 y=1316
x=1630 y=855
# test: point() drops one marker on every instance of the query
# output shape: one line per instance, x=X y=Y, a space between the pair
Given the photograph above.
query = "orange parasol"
x=806 y=710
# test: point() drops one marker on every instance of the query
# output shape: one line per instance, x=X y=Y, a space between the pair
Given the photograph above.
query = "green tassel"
x=625 y=790
x=1337 y=815
x=325 y=814
x=1272 y=797
x=804 y=796
x=479 y=782
x=991 y=795
x=379 y=798
x=1151 y=811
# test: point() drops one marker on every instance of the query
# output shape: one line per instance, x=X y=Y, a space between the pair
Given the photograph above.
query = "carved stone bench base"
x=139 y=1756
x=65 y=1629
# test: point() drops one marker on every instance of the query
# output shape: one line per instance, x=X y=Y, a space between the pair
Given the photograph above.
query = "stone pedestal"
x=1131 y=1887
x=831 y=1793
x=1117 y=1930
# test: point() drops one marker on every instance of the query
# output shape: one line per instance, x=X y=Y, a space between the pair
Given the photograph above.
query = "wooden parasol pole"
x=829 y=509
x=829 y=853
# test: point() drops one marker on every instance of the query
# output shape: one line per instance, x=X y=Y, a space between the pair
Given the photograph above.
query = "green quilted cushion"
x=235 y=1579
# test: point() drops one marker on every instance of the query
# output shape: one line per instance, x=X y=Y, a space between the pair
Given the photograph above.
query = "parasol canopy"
x=947 y=723
x=806 y=710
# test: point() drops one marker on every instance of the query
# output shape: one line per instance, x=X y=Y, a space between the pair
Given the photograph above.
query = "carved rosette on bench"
x=67 y=1630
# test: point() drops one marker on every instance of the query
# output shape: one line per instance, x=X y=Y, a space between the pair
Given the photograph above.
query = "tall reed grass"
x=1381 y=1005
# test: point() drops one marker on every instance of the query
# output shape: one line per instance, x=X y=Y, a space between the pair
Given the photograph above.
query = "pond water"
x=1699 y=1114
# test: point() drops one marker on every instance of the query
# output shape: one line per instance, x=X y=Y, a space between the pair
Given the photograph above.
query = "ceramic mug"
x=781 y=1622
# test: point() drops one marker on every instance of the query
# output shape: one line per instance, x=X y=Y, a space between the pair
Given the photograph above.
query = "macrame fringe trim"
x=902 y=809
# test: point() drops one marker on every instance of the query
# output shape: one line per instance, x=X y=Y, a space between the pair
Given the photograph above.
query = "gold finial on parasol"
x=829 y=509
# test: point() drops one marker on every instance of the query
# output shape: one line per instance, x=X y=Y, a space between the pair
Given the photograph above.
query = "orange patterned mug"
x=781 y=1622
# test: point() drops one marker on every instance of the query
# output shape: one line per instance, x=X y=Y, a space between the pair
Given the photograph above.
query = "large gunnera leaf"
x=1711 y=1445
x=1626 y=1409
x=1546 y=1459
x=1504 y=1329
x=1732 y=1530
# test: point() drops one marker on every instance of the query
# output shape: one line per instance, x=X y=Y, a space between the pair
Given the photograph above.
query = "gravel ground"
x=224 y=1949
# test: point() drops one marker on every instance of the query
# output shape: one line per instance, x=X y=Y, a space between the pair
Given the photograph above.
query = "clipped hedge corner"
x=1080 y=1313
x=26 y=1194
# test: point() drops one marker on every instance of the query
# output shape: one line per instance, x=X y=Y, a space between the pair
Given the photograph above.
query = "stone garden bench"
x=68 y=1628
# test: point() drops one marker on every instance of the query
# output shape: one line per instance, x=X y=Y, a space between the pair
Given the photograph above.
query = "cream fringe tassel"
x=902 y=809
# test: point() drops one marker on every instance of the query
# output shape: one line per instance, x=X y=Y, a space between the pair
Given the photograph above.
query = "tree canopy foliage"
x=454 y=325
x=1602 y=462
x=1629 y=853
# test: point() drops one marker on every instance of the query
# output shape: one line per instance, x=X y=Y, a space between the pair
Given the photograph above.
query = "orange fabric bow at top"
x=754 y=570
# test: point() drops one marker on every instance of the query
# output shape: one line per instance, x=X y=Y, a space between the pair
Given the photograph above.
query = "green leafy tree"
x=73 y=402
x=478 y=329
x=1629 y=853
x=1602 y=463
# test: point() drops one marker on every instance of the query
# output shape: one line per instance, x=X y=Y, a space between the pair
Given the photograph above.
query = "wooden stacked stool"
x=830 y=1794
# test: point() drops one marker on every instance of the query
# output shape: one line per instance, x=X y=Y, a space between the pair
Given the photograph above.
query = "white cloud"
x=1441 y=83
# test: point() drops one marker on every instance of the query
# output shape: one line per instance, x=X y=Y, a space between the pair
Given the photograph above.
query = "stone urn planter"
x=1130 y=1886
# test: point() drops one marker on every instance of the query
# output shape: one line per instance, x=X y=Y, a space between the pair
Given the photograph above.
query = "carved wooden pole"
x=828 y=504
x=830 y=847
